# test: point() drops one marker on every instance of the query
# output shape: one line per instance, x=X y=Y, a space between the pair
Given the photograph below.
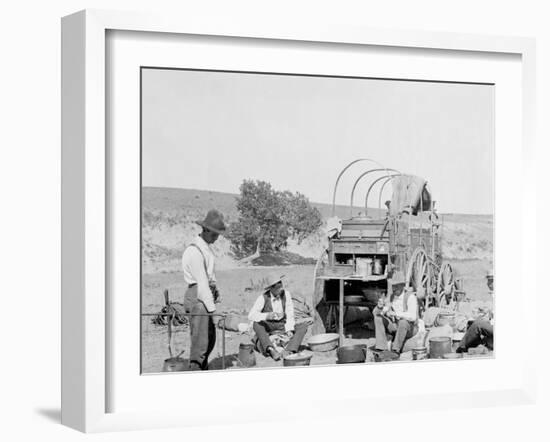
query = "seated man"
x=397 y=317
x=273 y=314
x=480 y=331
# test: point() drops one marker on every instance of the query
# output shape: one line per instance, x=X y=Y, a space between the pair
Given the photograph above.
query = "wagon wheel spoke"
x=424 y=273
x=419 y=274
x=445 y=285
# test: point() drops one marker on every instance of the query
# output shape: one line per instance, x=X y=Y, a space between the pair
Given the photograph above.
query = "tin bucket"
x=446 y=318
x=440 y=346
x=174 y=364
x=419 y=353
x=298 y=359
x=246 y=355
x=364 y=266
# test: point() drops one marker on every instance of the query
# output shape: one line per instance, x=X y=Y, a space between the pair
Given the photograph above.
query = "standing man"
x=273 y=314
x=399 y=318
x=202 y=294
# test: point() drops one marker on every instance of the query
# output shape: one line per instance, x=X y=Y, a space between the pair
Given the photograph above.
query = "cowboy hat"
x=398 y=278
x=213 y=222
x=272 y=280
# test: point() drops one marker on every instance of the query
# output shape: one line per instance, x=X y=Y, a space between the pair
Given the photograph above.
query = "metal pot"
x=298 y=359
x=440 y=346
x=352 y=354
x=246 y=355
x=363 y=266
x=385 y=356
x=174 y=364
x=419 y=353
x=446 y=318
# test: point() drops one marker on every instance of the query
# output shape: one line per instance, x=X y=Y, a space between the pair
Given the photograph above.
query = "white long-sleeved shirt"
x=412 y=307
x=194 y=272
x=256 y=314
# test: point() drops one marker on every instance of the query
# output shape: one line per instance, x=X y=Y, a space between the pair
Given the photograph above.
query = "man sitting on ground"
x=398 y=317
x=479 y=332
x=273 y=314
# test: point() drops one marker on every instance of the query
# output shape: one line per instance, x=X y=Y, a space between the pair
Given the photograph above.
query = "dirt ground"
x=240 y=287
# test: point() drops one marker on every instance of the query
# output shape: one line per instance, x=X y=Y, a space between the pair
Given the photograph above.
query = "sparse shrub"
x=268 y=218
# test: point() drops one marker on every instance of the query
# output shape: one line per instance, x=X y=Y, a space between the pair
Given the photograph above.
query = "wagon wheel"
x=320 y=315
x=419 y=276
x=446 y=291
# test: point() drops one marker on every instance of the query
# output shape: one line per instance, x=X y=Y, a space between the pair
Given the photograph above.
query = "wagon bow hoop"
x=388 y=175
x=342 y=173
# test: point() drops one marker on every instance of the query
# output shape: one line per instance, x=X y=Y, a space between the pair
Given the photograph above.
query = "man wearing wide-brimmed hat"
x=397 y=317
x=202 y=294
x=273 y=314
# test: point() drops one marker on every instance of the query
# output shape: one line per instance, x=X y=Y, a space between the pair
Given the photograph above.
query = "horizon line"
x=311 y=201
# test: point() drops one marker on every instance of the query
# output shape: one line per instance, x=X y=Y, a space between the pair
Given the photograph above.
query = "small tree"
x=243 y=235
x=301 y=217
x=267 y=218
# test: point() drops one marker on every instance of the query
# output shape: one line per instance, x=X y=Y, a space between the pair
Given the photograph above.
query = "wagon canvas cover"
x=410 y=194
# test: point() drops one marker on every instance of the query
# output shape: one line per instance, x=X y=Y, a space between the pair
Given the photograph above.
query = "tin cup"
x=419 y=353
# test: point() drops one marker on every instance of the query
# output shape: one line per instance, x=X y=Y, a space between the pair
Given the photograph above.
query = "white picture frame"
x=86 y=351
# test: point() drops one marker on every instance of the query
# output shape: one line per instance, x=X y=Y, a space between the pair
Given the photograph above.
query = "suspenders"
x=203 y=259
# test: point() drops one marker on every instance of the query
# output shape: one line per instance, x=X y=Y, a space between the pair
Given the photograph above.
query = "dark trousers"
x=401 y=331
x=203 y=331
x=480 y=332
x=265 y=328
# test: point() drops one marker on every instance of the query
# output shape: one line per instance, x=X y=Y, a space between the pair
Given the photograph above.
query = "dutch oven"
x=439 y=346
x=298 y=359
x=352 y=354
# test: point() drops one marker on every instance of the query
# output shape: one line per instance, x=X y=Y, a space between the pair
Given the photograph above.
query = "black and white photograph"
x=301 y=220
x=257 y=221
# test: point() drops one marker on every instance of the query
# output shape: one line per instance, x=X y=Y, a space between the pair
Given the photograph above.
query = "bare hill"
x=170 y=200
x=169 y=217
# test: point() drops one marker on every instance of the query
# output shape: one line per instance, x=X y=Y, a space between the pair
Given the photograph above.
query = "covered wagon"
x=373 y=249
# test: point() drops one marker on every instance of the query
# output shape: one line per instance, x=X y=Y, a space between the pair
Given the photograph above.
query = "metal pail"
x=364 y=266
x=246 y=355
x=446 y=318
x=419 y=353
x=440 y=346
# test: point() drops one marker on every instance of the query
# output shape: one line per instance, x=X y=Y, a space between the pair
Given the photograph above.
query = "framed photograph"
x=248 y=205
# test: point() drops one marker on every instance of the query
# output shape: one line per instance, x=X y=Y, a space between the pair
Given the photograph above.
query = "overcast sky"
x=211 y=130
